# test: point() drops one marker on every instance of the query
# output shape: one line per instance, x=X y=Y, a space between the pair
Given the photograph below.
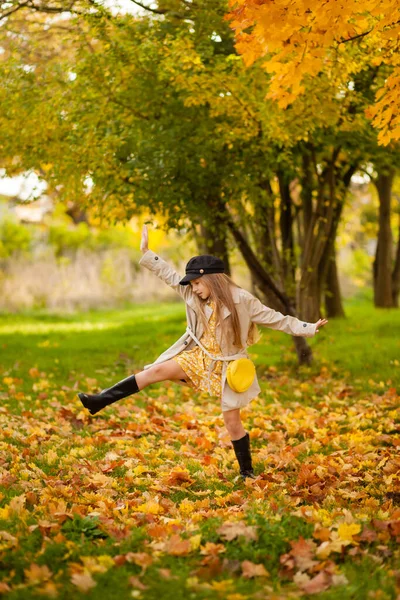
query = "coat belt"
x=214 y=358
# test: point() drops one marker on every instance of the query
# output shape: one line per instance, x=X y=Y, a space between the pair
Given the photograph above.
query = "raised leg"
x=131 y=385
x=168 y=370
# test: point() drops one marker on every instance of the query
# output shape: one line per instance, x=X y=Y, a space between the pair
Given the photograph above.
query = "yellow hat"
x=240 y=374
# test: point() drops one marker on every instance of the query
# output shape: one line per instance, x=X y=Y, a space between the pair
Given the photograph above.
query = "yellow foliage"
x=195 y=541
x=311 y=38
x=346 y=531
x=152 y=507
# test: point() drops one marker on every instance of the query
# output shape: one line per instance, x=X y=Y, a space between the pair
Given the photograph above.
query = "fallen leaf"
x=233 y=529
x=211 y=548
x=178 y=546
x=179 y=476
x=136 y=583
x=303 y=552
x=250 y=569
x=142 y=559
x=317 y=584
x=36 y=573
x=83 y=581
x=166 y=573
x=346 y=531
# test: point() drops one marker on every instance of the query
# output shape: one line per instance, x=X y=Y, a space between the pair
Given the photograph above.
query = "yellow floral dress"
x=195 y=362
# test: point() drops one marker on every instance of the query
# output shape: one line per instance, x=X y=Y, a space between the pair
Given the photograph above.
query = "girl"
x=222 y=321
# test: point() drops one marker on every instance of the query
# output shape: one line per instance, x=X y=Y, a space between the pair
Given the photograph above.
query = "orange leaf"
x=179 y=476
x=136 y=583
x=317 y=584
x=302 y=552
x=212 y=549
x=166 y=573
x=37 y=573
x=34 y=372
x=177 y=546
x=231 y=530
x=250 y=569
x=142 y=559
x=83 y=582
x=321 y=533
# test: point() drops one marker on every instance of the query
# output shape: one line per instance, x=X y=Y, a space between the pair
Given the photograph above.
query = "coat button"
x=304 y=324
x=156 y=258
x=185 y=343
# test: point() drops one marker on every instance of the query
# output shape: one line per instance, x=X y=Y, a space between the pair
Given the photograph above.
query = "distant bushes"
x=66 y=239
x=14 y=239
x=86 y=280
x=62 y=266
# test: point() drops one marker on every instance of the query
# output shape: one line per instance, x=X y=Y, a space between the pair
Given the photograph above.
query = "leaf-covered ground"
x=143 y=500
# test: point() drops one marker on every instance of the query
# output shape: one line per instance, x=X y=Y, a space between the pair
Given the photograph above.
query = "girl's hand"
x=321 y=323
x=144 y=244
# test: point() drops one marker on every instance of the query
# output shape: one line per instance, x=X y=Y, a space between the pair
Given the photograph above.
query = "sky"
x=29 y=187
x=126 y=5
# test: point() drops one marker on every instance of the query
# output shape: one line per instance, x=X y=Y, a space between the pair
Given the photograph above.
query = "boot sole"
x=84 y=400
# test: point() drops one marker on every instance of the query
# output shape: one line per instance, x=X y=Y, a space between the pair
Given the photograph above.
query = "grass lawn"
x=143 y=500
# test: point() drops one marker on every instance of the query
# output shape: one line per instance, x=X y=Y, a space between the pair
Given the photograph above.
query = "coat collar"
x=225 y=311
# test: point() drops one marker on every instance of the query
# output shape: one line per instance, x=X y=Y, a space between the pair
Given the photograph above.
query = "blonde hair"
x=220 y=286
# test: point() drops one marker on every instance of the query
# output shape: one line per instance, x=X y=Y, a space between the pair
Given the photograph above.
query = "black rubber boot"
x=242 y=451
x=122 y=389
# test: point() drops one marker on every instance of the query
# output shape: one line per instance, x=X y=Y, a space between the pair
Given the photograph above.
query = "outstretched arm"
x=162 y=269
x=263 y=315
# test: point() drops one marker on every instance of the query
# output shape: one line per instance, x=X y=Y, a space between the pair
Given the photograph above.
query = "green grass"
x=88 y=342
x=363 y=346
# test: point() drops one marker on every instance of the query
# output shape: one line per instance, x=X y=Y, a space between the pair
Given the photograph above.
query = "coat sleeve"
x=263 y=315
x=166 y=273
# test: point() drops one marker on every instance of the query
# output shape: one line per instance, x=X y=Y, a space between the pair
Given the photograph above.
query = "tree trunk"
x=303 y=350
x=77 y=214
x=286 y=227
x=318 y=238
x=331 y=286
x=382 y=267
x=279 y=300
x=328 y=271
x=396 y=274
x=264 y=231
x=332 y=296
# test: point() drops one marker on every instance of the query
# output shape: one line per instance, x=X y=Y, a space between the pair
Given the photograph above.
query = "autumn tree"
x=158 y=112
x=302 y=40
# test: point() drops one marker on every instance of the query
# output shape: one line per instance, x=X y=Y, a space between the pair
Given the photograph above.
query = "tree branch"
x=355 y=37
x=264 y=280
x=156 y=11
x=44 y=8
x=12 y=10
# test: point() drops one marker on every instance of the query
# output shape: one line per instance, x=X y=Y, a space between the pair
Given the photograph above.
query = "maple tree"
x=302 y=40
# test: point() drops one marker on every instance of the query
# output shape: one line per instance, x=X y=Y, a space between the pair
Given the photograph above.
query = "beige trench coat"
x=249 y=309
